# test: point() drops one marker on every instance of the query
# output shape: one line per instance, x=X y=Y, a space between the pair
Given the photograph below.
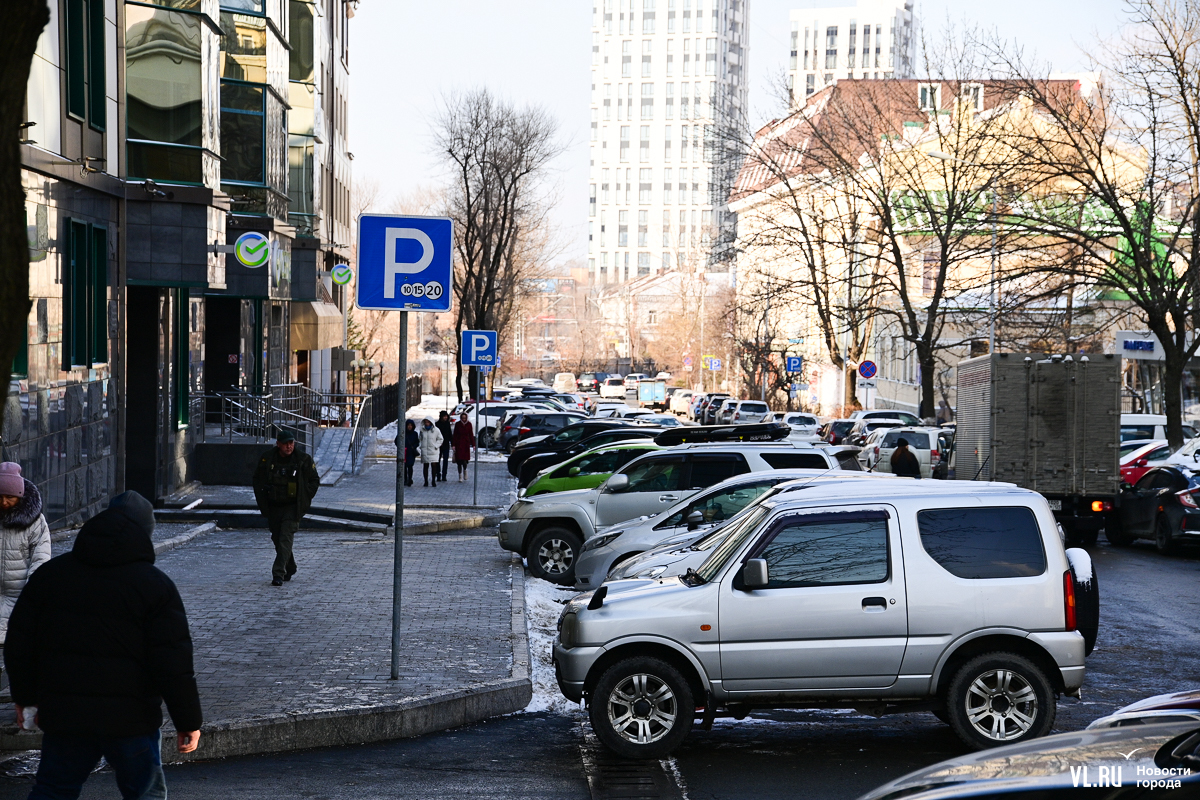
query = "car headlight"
x=652 y=572
x=568 y=630
x=600 y=541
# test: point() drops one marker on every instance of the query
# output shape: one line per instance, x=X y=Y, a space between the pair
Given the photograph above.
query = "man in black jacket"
x=97 y=641
x=904 y=462
x=285 y=483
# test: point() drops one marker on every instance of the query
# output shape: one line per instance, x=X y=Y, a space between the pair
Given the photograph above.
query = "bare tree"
x=498 y=157
x=1123 y=156
x=24 y=21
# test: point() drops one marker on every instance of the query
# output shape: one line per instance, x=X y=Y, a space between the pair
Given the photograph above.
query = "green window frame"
x=183 y=356
x=85 y=62
x=85 y=295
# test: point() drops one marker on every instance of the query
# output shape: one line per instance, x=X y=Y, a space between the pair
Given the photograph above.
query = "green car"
x=588 y=470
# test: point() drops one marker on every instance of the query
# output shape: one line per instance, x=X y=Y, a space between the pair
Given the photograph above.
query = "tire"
x=942 y=716
x=487 y=438
x=552 y=555
x=512 y=445
x=1000 y=698
x=1115 y=533
x=1087 y=607
x=641 y=708
x=1164 y=538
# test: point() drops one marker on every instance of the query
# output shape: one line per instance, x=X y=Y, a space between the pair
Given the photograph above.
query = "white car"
x=889 y=413
x=804 y=426
x=660 y=420
x=750 y=411
x=680 y=401
x=573 y=402
x=922 y=442
x=1149 y=426
x=613 y=387
x=603 y=409
x=631 y=380
x=564 y=382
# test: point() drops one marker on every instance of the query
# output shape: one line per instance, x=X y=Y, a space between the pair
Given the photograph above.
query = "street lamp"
x=992 y=285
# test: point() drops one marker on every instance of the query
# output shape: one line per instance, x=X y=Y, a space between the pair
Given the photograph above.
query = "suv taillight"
x=1069 y=599
x=737 y=415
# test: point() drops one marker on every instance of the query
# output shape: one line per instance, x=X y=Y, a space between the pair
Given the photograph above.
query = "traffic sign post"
x=404 y=264
x=479 y=349
x=866 y=377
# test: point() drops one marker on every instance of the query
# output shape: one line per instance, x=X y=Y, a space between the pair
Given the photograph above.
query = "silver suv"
x=549 y=529
x=904 y=596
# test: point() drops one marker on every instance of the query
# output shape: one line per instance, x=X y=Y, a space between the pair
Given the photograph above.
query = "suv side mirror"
x=694 y=520
x=617 y=483
x=754 y=574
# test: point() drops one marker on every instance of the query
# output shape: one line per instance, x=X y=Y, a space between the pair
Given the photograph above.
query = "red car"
x=1138 y=462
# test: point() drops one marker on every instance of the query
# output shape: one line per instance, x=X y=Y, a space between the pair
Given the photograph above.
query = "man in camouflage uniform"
x=285 y=483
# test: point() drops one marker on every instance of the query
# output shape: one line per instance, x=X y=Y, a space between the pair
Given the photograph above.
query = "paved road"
x=1149 y=643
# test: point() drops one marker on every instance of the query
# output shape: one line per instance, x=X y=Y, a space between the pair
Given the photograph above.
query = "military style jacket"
x=285 y=483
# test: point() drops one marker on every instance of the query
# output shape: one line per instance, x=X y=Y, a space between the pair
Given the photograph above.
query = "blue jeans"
x=68 y=760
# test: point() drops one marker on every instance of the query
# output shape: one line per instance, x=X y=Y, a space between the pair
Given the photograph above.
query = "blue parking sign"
x=795 y=363
x=478 y=349
x=404 y=263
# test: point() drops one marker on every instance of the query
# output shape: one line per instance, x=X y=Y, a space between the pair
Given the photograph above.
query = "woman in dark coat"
x=444 y=426
x=411 y=441
x=463 y=439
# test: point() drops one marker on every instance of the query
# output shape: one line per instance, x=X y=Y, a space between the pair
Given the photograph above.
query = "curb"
x=301 y=731
x=448 y=525
x=170 y=544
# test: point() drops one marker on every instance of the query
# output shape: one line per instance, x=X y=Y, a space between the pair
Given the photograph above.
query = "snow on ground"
x=385 y=440
x=543 y=604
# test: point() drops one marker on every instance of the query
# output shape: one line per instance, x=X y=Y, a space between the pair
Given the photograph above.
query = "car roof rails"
x=693 y=434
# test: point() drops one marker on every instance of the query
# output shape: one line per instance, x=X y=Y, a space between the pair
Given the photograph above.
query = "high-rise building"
x=867 y=39
x=668 y=82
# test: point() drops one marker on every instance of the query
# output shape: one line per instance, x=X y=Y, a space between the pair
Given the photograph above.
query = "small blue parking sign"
x=404 y=263
x=478 y=349
x=795 y=363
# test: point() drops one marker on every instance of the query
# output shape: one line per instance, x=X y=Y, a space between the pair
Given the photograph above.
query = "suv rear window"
x=983 y=542
x=920 y=441
x=795 y=460
x=754 y=408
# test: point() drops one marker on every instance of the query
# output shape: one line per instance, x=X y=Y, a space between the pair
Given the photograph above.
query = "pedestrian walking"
x=903 y=462
x=429 y=449
x=444 y=427
x=463 y=439
x=24 y=539
x=411 y=442
x=96 y=643
x=285 y=483
x=944 y=414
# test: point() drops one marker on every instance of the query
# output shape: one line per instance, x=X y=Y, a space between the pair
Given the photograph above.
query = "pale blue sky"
x=406 y=55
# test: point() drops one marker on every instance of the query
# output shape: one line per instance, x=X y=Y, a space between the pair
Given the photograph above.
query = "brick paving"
x=322 y=641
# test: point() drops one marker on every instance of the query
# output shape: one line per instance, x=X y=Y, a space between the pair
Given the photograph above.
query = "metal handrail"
x=358 y=434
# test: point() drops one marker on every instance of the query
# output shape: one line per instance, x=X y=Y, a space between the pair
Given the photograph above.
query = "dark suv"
x=573 y=433
x=590 y=381
x=521 y=424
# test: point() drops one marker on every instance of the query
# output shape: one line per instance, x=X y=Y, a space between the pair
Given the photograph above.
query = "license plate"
x=1055 y=505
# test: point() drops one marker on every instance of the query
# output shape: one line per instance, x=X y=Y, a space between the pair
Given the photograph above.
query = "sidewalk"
x=306 y=664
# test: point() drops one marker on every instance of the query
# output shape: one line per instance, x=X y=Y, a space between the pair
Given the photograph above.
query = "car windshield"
x=841 y=427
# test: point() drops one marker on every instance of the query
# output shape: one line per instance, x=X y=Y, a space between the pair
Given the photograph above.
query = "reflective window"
x=795 y=460
x=983 y=542
x=709 y=470
x=721 y=505
x=917 y=440
x=827 y=553
x=595 y=464
x=300 y=38
x=242 y=124
x=658 y=475
x=244 y=48
x=248 y=6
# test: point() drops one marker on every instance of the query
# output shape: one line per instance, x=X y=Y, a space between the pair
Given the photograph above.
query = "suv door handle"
x=667 y=498
x=874 y=604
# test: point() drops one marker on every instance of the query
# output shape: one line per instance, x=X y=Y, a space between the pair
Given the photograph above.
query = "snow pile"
x=543 y=604
x=1081 y=564
x=385 y=441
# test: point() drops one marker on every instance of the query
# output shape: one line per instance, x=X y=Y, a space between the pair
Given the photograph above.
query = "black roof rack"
x=755 y=432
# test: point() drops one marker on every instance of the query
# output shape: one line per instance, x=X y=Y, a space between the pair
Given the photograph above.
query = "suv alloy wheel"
x=641 y=708
x=1164 y=540
x=552 y=555
x=1000 y=698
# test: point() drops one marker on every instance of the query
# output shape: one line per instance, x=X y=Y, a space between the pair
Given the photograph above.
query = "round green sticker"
x=342 y=274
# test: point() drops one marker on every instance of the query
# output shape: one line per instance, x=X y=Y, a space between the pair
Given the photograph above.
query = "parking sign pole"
x=398 y=527
x=481 y=373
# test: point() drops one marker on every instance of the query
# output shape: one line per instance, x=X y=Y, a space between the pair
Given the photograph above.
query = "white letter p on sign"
x=392 y=268
x=479 y=343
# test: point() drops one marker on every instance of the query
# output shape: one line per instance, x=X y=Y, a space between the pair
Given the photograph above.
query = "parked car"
x=565 y=382
x=888 y=413
x=983 y=565
x=572 y=434
x=713 y=409
x=1161 y=506
x=690 y=519
x=486 y=418
x=1105 y=764
x=589 y=381
x=660 y=420
x=523 y=423
x=804 y=426
x=607 y=409
x=1138 y=461
x=1161 y=708
x=834 y=431
x=588 y=470
x=631 y=380
x=571 y=401
x=1149 y=426
x=700 y=403
x=857 y=435
x=923 y=442
x=750 y=411
x=549 y=530
x=680 y=401
x=629 y=412
x=541 y=461
x=945 y=465
x=1186 y=457
x=613 y=387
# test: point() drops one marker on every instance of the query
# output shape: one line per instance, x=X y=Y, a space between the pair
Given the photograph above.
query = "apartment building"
x=870 y=39
x=668 y=79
